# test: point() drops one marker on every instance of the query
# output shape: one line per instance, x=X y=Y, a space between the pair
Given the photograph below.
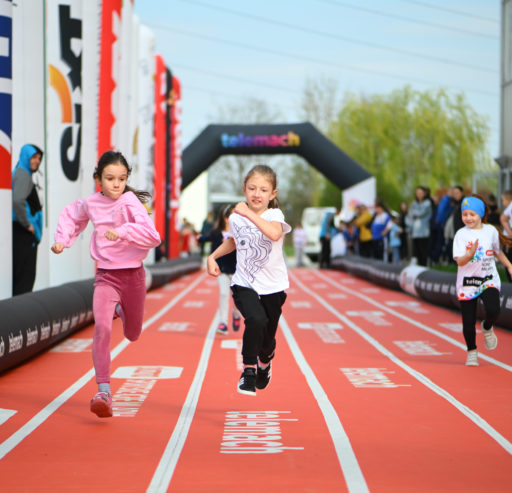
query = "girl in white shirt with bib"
x=257 y=229
x=475 y=247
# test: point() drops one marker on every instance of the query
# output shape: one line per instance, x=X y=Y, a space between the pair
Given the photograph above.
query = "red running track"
x=369 y=393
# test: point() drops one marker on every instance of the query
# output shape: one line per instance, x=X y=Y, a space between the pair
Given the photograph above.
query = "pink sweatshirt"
x=127 y=215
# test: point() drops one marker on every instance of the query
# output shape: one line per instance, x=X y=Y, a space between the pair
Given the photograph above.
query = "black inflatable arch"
x=302 y=139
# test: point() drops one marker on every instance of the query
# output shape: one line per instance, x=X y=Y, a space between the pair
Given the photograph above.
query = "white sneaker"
x=472 y=359
x=490 y=339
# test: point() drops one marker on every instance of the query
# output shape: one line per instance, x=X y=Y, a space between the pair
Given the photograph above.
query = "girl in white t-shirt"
x=257 y=229
x=474 y=249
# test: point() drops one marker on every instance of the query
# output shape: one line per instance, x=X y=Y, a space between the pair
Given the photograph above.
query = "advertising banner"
x=146 y=98
x=108 y=74
x=175 y=188
x=159 y=154
x=64 y=48
x=5 y=147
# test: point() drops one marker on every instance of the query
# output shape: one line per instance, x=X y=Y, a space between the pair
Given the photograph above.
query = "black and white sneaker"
x=247 y=382
x=263 y=376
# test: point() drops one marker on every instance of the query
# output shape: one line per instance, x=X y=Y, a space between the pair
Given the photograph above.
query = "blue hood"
x=27 y=151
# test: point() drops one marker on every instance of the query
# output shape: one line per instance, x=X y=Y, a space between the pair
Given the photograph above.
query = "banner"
x=64 y=48
x=5 y=147
x=175 y=186
x=108 y=74
x=159 y=153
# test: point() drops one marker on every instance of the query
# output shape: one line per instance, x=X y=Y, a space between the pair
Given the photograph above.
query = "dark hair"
x=115 y=157
x=269 y=173
x=503 y=239
x=224 y=213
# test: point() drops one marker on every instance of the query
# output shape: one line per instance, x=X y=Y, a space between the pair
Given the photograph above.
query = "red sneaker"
x=236 y=324
x=101 y=405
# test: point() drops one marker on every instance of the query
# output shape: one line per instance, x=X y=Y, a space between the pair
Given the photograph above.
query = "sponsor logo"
x=325 y=330
x=15 y=342
x=289 y=139
x=45 y=331
x=475 y=281
x=56 y=325
x=2 y=347
x=254 y=432
x=32 y=336
x=371 y=378
x=418 y=348
x=140 y=380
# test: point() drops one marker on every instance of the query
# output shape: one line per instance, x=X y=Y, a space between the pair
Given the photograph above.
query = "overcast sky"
x=225 y=51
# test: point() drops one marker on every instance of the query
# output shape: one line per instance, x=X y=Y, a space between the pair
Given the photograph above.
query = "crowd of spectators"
x=421 y=232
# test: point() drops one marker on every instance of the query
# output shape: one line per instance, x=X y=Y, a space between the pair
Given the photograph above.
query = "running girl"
x=257 y=229
x=475 y=247
x=123 y=235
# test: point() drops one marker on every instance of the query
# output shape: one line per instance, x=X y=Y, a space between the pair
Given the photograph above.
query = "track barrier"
x=434 y=286
x=32 y=322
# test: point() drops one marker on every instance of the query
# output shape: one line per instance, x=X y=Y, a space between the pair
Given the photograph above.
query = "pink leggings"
x=126 y=287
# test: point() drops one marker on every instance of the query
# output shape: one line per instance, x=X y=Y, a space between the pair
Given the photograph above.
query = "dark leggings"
x=491 y=300
x=261 y=316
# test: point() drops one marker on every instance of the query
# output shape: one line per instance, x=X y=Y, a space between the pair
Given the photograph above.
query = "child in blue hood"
x=27 y=220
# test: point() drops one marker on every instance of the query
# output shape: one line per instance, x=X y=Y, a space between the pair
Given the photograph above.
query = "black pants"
x=325 y=252
x=261 y=316
x=420 y=250
x=24 y=257
x=491 y=300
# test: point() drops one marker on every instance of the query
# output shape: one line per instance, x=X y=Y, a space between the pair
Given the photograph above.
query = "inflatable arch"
x=302 y=139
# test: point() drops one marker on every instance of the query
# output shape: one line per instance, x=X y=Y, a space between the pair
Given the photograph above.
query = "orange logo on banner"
x=59 y=83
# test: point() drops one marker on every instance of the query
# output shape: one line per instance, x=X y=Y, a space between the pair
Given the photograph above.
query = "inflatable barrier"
x=431 y=285
x=32 y=322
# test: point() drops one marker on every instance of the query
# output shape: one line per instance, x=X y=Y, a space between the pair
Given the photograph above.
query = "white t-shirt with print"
x=260 y=261
x=480 y=272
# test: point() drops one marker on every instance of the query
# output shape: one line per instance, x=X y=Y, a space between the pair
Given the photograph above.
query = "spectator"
x=300 y=238
x=494 y=212
x=418 y=219
x=444 y=209
x=363 y=221
x=27 y=220
x=395 y=240
x=378 y=230
x=404 y=235
x=506 y=222
x=206 y=228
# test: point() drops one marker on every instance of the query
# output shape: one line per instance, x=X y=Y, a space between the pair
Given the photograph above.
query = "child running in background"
x=227 y=266
x=257 y=230
x=475 y=247
x=123 y=234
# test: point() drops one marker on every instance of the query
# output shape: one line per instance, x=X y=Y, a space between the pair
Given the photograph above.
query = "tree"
x=409 y=138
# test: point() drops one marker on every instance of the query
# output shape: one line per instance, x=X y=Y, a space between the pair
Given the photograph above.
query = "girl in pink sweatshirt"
x=123 y=235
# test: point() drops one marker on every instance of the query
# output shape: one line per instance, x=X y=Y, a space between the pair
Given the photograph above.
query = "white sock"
x=104 y=387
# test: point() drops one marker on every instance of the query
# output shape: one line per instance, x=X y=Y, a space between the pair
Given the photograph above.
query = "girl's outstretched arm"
x=464 y=259
x=139 y=231
x=72 y=221
x=224 y=248
x=272 y=230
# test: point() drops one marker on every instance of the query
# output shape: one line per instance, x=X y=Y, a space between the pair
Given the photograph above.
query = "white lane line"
x=346 y=456
x=5 y=414
x=465 y=410
x=31 y=425
x=165 y=469
x=424 y=327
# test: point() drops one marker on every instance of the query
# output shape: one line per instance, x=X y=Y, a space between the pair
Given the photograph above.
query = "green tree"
x=409 y=138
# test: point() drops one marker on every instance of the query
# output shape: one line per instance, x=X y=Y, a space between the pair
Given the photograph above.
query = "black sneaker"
x=247 y=382
x=263 y=376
